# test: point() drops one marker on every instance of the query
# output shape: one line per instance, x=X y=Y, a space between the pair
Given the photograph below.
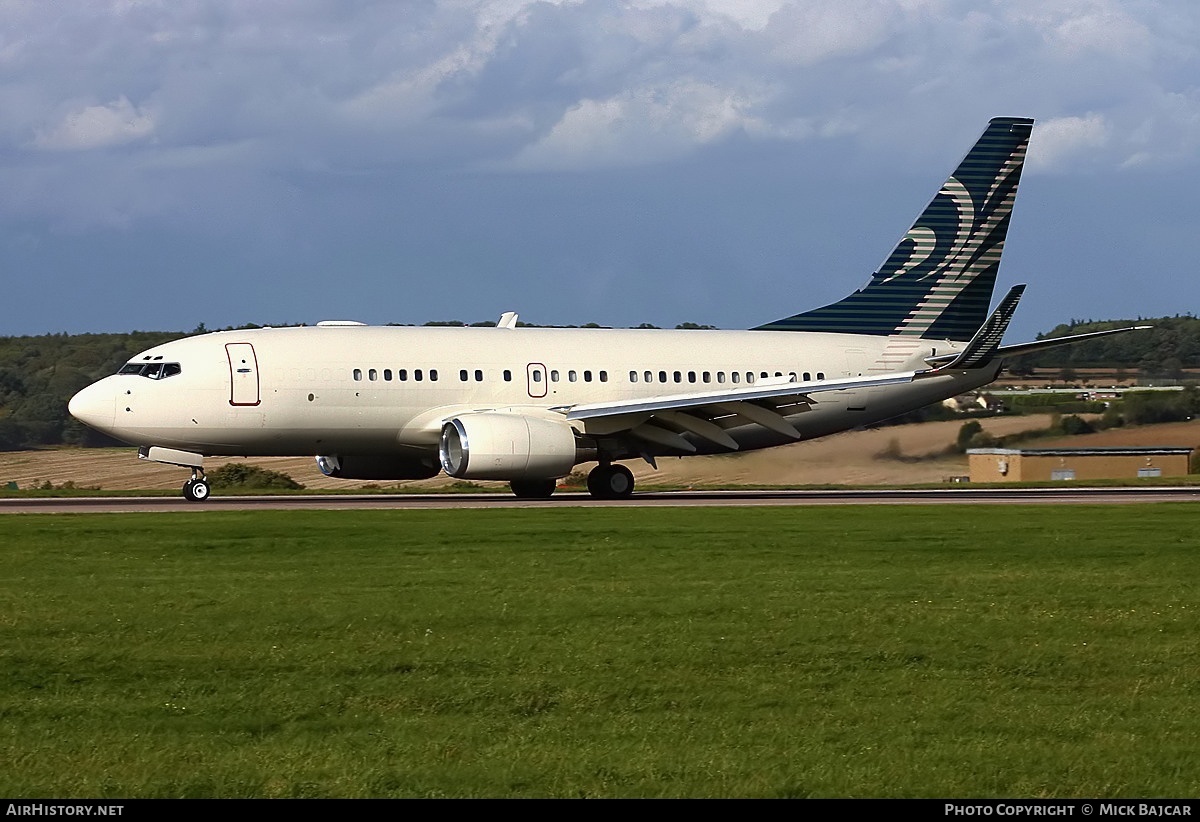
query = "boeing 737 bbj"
x=526 y=405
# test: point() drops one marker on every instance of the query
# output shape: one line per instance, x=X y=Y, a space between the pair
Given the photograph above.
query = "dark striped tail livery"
x=938 y=282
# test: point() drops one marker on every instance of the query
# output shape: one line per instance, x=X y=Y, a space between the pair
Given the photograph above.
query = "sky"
x=171 y=163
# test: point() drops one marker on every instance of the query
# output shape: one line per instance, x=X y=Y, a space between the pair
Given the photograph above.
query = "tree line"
x=1168 y=351
x=38 y=375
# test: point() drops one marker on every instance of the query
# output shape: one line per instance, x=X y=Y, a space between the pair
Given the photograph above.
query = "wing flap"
x=660 y=436
x=761 y=416
x=669 y=420
x=784 y=393
x=700 y=427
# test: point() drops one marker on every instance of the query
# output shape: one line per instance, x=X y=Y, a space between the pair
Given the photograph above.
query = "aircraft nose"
x=93 y=406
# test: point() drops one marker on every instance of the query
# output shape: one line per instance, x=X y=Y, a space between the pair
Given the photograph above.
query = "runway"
x=651 y=499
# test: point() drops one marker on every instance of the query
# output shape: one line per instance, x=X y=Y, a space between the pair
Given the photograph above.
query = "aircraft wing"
x=659 y=419
x=985 y=345
x=1015 y=350
x=1055 y=342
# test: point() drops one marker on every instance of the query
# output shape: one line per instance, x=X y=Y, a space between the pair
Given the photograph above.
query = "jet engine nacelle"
x=377 y=467
x=500 y=446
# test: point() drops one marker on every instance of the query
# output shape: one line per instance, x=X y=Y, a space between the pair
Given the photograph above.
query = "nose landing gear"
x=196 y=489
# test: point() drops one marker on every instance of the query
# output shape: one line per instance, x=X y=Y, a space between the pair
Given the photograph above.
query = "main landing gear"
x=603 y=482
x=610 y=482
x=196 y=489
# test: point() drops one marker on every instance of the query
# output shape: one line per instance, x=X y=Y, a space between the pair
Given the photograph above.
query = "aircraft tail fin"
x=937 y=283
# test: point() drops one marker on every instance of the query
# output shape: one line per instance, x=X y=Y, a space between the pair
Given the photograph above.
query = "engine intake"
x=499 y=446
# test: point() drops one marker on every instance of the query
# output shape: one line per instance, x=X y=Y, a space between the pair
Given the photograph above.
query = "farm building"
x=1042 y=464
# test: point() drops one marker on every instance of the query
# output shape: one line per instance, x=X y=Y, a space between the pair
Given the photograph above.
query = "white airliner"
x=526 y=405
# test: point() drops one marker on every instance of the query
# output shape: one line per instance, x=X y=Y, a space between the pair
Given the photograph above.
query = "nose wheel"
x=196 y=489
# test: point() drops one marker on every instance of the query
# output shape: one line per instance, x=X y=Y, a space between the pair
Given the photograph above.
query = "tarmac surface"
x=672 y=499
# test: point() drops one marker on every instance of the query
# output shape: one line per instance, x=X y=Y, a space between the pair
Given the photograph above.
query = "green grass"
x=848 y=651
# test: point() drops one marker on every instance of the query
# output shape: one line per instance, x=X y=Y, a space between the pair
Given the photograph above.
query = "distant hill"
x=38 y=375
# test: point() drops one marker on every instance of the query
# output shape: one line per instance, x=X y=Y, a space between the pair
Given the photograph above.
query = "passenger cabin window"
x=508 y=376
x=358 y=375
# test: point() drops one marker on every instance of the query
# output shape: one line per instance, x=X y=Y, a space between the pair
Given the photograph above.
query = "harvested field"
x=896 y=455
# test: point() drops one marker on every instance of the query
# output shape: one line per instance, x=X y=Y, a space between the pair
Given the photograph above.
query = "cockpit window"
x=152 y=370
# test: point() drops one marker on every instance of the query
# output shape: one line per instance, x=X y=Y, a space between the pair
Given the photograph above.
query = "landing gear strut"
x=196 y=489
x=610 y=482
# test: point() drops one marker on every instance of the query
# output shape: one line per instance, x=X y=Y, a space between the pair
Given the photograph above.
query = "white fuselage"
x=387 y=390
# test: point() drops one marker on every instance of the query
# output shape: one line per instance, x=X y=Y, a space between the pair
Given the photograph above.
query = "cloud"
x=272 y=98
x=644 y=125
x=116 y=123
x=1064 y=139
x=1075 y=28
x=805 y=33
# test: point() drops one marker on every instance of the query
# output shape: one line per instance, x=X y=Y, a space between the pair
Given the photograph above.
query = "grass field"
x=854 y=651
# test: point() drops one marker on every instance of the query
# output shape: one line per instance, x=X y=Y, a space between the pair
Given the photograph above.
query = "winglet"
x=986 y=342
x=507 y=320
